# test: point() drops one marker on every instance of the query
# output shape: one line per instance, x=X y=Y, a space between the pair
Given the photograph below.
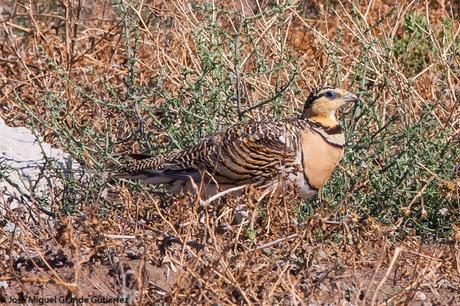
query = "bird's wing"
x=254 y=153
x=244 y=153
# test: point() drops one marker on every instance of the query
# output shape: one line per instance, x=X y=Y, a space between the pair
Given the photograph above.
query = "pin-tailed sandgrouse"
x=302 y=151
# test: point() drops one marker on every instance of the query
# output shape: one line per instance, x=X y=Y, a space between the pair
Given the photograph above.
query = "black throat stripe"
x=330 y=131
x=334 y=130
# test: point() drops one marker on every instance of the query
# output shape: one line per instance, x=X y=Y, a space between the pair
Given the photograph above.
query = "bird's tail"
x=152 y=170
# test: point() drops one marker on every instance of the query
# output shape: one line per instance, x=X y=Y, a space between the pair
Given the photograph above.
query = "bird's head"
x=322 y=104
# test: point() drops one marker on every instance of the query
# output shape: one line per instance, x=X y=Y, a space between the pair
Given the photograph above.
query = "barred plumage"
x=301 y=151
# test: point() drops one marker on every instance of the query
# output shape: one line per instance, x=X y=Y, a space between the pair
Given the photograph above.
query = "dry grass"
x=100 y=79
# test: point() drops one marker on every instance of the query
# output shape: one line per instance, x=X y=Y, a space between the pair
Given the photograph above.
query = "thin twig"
x=390 y=267
x=272 y=243
x=278 y=93
x=220 y=195
x=238 y=92
x=119 y=236
x=237 y=72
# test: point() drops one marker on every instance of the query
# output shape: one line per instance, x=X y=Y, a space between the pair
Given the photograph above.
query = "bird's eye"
x=330 y=94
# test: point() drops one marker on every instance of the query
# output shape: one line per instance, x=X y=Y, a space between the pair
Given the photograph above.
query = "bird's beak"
x=350 y=97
